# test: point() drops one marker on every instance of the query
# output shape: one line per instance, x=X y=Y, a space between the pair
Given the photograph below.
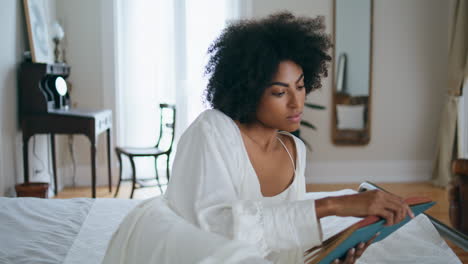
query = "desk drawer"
x=103 y=121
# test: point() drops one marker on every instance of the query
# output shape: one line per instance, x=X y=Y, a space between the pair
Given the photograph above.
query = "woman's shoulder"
x=212 y=121
x=213 y=115
x=295 y=141
x=213 y=118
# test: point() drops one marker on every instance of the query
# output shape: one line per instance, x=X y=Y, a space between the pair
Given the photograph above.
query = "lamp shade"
x=57 y=31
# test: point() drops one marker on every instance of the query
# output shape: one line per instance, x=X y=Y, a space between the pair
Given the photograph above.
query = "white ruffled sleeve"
x=204 y=190
x=280 y=227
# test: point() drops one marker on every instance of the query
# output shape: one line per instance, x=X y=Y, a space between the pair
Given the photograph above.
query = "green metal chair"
x=166 y=134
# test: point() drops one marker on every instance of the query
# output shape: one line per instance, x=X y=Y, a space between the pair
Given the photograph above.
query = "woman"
x=238 y=172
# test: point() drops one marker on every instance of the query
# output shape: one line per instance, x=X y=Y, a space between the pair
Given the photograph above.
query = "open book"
x=359 y=230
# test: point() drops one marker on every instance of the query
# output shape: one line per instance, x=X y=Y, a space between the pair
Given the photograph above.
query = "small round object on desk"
x=61 y=86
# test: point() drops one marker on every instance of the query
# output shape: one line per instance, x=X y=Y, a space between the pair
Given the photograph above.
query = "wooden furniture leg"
x=93 y=169
x=109 y=167
x=458 y=195
x=54 y=164
x=25 y=158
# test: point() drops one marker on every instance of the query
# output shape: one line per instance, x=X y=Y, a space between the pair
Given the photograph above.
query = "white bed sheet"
x=58 y=231
x=78 y=231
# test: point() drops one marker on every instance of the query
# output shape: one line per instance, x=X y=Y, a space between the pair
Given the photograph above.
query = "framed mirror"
x=352 y=72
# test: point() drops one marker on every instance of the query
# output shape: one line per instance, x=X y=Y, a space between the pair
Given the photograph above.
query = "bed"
x=34 y=230
x=79 y=230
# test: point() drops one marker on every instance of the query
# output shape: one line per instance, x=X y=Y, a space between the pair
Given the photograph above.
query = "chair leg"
x=157 y=174
x=156 y=167
x=167 y=168
x=120 y=175
x=132 y=162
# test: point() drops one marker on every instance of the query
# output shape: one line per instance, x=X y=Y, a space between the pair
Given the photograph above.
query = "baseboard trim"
x=83 y=176
x=316 y=172
x=376 y=171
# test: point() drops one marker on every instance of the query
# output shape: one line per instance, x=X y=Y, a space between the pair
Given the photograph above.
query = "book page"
x=332 y=225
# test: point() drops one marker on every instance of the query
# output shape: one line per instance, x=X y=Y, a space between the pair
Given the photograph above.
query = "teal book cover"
x=368 y=228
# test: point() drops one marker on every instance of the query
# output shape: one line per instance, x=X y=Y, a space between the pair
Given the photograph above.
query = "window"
x=161 y=58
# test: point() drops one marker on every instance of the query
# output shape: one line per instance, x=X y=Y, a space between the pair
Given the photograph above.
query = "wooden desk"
x=73 y=121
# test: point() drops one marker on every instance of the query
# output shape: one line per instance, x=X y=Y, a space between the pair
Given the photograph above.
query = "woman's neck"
x=262 y=136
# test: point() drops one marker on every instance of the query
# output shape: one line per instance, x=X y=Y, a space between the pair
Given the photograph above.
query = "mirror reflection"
x=352 y=72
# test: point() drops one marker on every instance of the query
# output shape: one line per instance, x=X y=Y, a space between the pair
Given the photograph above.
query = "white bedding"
x=79 y=230
x=58 y=231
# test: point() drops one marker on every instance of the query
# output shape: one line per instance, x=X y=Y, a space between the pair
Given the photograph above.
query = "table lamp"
x=57 y=36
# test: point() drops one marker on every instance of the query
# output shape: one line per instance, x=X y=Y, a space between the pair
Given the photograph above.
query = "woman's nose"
x=296 y=98
x=293 y=100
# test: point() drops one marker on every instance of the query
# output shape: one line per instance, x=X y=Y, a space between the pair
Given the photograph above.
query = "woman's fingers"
x=388 y=216
x=410 y=213
x=371 y=240
x=400 y=212
x=395 y=205
x=390 y=207
x=355 y=253
x=403 y=210
x=350 y=256
x=360 y=249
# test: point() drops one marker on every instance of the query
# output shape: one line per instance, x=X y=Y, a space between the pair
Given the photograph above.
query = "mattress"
x=58 y=231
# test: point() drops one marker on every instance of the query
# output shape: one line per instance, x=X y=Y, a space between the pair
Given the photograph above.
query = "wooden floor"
x=439 y=195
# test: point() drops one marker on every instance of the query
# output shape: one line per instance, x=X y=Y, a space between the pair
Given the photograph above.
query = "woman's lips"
x=295 y=118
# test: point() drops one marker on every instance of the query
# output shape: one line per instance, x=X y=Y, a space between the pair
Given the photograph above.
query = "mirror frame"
x=347 y=137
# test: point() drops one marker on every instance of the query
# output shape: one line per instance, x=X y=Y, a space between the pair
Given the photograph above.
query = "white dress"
x=214 y=186
x=214 y=212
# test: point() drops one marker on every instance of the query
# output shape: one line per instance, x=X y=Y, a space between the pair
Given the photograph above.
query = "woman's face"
x=282 y=102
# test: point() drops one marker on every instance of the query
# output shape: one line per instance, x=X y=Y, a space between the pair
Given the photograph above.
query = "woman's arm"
x=386 y=205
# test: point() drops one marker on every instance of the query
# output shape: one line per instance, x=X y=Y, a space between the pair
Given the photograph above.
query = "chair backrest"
x=167 y=122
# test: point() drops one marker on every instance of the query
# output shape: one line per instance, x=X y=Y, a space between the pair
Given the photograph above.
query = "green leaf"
x=314 y=106
x=307 y=124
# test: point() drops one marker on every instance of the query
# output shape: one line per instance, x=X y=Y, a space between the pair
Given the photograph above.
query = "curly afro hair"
x=246 y=56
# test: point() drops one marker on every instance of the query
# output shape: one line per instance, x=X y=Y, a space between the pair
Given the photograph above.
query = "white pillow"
x=350 y=117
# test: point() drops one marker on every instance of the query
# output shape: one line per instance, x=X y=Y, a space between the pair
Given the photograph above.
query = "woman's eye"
x=279 y=94
x=300 y=87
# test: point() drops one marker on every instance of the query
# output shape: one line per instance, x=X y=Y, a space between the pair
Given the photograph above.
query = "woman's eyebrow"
x=285 y=84
x=280 y=84
x=300 y=77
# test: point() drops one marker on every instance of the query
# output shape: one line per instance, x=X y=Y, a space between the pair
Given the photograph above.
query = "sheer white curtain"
x=161 y=57
x=457 y=72
x=462 y=125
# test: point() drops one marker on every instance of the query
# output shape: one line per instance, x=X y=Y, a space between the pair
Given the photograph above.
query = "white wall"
x=90 y=45
x=409 y=60
x=12 y=46
x=81 y=22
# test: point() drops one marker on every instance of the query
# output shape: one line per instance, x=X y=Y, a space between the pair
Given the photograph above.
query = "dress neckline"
x=244 y=150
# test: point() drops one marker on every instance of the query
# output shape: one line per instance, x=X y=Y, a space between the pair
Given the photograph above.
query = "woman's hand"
x=376 y=202
x=355 y=253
